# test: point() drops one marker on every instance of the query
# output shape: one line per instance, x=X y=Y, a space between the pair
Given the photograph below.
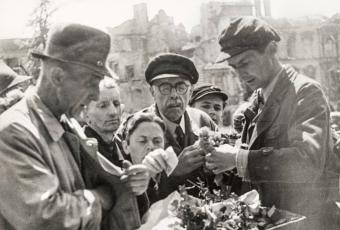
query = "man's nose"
x=173 y=92
x=211 y=111
x=114 y=110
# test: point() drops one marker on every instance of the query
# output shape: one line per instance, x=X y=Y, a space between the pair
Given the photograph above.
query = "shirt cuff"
x=242 y=163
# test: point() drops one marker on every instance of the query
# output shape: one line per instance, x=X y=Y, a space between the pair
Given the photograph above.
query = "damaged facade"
x=14 y=52
x=310 y=44
x=133 y=44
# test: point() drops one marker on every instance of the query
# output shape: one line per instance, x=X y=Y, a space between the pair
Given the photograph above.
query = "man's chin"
x=111 y=128
x=173 y=115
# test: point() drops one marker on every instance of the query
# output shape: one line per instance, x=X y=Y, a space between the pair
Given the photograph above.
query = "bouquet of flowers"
x=214 y=212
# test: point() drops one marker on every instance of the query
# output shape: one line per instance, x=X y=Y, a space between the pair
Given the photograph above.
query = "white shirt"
x=171 y=126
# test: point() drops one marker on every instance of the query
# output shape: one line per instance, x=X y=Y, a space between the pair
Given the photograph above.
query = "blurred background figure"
x=335 y=121
x=12 y=86
x=210 y=99
x=335 y=126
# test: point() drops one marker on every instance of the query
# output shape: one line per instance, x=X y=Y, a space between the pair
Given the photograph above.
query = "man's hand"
x=222 y=159
x=136 y=177
x=239 y=118
x=104 y=195
x=191 y=158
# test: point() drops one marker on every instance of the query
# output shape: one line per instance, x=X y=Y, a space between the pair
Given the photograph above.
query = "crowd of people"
x=107 y=174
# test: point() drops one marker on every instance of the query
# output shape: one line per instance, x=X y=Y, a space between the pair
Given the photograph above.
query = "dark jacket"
x=112 y=152
x=289 y=148
x=109 y=150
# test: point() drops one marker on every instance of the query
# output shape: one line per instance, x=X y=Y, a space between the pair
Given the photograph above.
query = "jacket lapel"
x=272 y=107
x=74 y=145
x=190 y=136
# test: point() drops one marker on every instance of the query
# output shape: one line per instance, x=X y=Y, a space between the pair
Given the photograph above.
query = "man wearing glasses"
x=171 y=78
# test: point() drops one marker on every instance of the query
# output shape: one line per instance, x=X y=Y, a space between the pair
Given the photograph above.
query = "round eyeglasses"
x=166 y=88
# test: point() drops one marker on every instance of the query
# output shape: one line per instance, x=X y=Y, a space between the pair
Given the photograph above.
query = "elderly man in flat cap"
x=287 y=130
x=171 y=78
x=50 y=180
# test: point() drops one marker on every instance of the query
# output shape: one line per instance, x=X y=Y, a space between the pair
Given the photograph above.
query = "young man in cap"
x=210 y=99
x=171 y=78
x=49 y=178
x=287 y=135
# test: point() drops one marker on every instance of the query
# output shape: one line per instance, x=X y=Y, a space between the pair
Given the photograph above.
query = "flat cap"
x=78 y=44
x=204 y=90
x=245 y=33
x=171 y=65
x=9 y=78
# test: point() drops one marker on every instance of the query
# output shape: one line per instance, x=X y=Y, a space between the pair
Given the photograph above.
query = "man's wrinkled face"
x=104 y=115
x=172 y=96
x=212 y=105
x=252 y=68
x=79 y=88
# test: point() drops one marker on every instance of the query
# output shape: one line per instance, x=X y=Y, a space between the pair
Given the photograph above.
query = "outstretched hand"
x=191 y=158
x=222 y=159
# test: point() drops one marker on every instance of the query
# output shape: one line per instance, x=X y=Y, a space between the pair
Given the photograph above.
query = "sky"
x=15 y=14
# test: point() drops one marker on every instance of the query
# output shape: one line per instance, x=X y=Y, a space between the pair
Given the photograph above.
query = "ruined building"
x=133 y=44
x=309 y=44
x=14 y=52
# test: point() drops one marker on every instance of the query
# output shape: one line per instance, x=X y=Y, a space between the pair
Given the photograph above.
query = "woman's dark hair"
x=133 y=122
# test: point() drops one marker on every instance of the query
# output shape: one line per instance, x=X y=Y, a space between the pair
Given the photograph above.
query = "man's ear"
x=125 y=147
x=58 y=76
x=191 y=90
x=122 y=107
x=152 y=91
x=271 y=48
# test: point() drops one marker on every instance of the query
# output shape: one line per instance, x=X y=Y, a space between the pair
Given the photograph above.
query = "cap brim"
x=166 y=75
x=223 y=96
x=225 y=56
x=101 y=71
x=222 y=57
x=38 y=54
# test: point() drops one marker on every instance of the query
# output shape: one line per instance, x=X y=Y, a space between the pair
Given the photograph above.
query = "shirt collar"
x=171 y=126
x=51 y=123
x=269 y=88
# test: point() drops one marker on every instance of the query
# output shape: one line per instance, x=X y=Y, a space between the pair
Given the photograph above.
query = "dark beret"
x=204 y=90
x=170 y=63
x=78 y=44
x=245 y=33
